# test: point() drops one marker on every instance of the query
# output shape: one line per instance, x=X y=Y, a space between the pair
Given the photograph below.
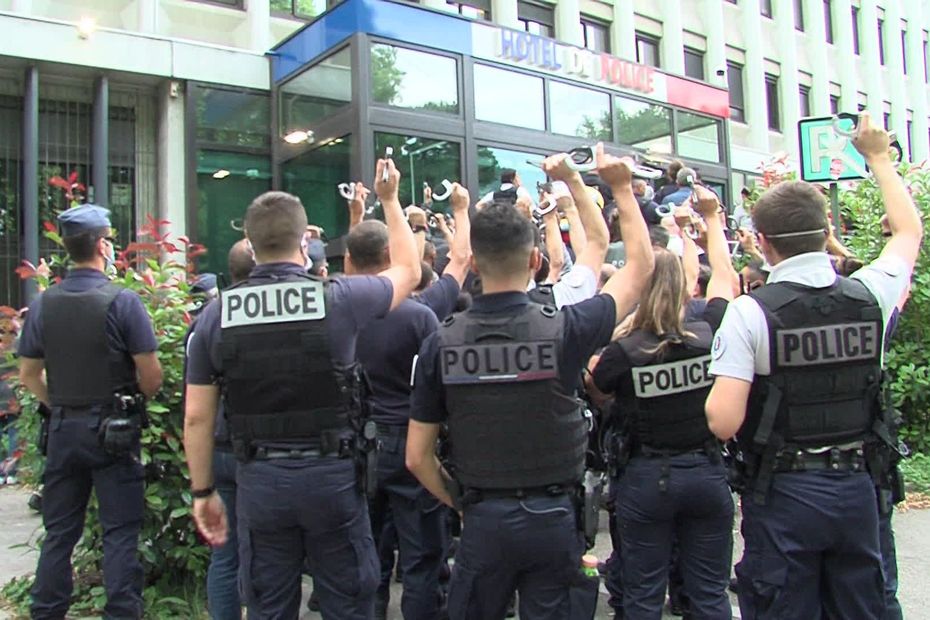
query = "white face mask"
x=109 y=259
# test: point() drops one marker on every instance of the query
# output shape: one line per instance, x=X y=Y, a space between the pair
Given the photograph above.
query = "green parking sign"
x=827 y=156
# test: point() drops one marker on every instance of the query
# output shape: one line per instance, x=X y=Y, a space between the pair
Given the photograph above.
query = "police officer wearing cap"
x=280 y=349
x=503 y=376
x=95 y=343
x=673 y=482
x=386 y=349
x=798 y=370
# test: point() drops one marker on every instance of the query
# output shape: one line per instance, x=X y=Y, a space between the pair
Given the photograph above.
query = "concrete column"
x=29 y=205
x=869 y=65
x=147 y=15
x=754 y=78
x=788 y=91
x=673 y=46
x=259 y=13
x=568 y=22
x=623 y=30
x=504 y=12
x=100 y=144
x=843 y=31
x=894 y=75
x=817 y=51
x=916 y=86
x=716 y=41
x=172 y=169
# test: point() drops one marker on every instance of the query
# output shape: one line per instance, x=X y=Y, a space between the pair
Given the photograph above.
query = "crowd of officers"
x=498 y=385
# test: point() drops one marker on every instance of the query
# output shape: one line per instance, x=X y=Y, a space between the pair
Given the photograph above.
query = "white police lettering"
x=499 y=362
x=672 y=377
x=273 y=303
x=827 y=344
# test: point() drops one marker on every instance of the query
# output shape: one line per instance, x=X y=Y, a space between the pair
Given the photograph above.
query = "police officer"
x=797 y=368
x=503 y=376
x=386 y=349
x=96 y=345
x=282 y=349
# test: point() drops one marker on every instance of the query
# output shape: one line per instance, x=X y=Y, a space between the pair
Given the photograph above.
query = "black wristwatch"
x=202 y=493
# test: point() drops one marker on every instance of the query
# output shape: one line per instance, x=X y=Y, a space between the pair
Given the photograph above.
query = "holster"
x=121 y=431
x=366 y=458
x=593 y=492
x=45 y=416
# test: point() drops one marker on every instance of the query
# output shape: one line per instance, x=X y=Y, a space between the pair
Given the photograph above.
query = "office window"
x=771 y=101
x=886 y=120
x=855 y=29
x=904 y=49
x=536 y=18
x=828 y=20
x=926 y=60
x=804 y=100
x=694 y=63
x=765 y=7
x=318 y=92
x=473 y=9
x=881 y=41
x=524 y=95
x=596 y=35
x=581 y=112
x=910 y=140
x=735 y=86
x=647 y=49
x=834 y=104
x=698 y=136
x=304 y=9
x=799 y=15
x=643 y=125
x=399 y=76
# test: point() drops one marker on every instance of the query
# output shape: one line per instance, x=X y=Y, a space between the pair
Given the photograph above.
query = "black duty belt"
x=271 y=454
x=391 y=429
x=654 y=453
x=472 y=495
x=834 y=459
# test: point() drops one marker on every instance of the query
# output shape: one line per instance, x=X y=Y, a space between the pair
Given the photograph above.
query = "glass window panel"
x=221 y=202
x=525 y=106
x=694 y=63
x=421 y=160
x=318 y=92
x=412 y=79
x=698 y=137
x=579 y=111
x=492 y=160
x=313 y=176
x=596 y=36
x=234 y=118
x=735 y=87
x=643 y=125
x=647 y=50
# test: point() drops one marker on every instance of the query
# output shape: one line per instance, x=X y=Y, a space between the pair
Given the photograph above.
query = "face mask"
x=109 y=259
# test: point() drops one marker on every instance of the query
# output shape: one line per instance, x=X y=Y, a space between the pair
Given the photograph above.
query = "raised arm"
x=460 y=245
x=626 y=285
x=903 y=218
x=554 y=246
x=404 y=272
x=576 y=231
x=690 y=262
x=724 y=281
x=357 y=205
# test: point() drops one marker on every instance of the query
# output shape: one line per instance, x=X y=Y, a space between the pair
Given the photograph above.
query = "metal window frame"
x=731 y=66
x=595 y=23
x=766 y=9
x=856 y=36
x=694 y=52
x=804 y=94
x=881 y=41
x=828 y=21
x=771 y=94
x=235 y=5
x=643 y=37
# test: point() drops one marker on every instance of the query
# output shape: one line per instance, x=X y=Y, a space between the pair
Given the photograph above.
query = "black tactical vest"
x=542 y=294
x=280 y=383
x=663 y=395
x=82 y=368
x=512 y=424
x=825 y=349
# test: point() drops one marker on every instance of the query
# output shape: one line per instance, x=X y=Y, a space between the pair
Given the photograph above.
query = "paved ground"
x=18 y=525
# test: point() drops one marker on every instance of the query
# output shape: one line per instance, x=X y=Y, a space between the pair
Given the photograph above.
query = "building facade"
x=179 y=108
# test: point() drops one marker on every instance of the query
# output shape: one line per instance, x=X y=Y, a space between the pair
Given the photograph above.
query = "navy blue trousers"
x=76 y=464
x=697 y=508
x=290 y=510
x=223 y=573
x=889 y=567
x=531 y=545
x=418 y=522
x=812 y=550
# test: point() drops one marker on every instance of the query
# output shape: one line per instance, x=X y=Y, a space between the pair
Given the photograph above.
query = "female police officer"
x=674 y=484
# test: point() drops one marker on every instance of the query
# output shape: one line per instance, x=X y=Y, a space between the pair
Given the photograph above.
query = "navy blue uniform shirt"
x=129 y=328
x=441 y=296
x=354 y=301
x=588 y=326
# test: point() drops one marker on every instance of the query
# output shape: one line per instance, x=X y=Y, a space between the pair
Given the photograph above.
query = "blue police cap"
x=316 y=250
x=204 y=283
x=85 y=218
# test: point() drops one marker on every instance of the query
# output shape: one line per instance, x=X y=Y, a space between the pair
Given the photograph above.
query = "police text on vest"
x=282 y=302
x=672 y=377
x=504 y=361
x=827 y=344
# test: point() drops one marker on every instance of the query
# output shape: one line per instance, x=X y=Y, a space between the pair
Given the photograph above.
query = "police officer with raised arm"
x=280 y=350
x=798 y=381
x=504 y=377
x=94 y=341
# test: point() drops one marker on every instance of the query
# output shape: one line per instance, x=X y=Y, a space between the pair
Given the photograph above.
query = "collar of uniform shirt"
x=267 y=269
x=498 y=302
x=810 y=269
x=86 y=272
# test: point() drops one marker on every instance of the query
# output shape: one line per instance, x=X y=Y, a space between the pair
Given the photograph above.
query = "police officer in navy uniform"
x=673 y=482
x=798 y=367
x=504 y=376
x=281 y=350
x=95 y=343
x=386 y=349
